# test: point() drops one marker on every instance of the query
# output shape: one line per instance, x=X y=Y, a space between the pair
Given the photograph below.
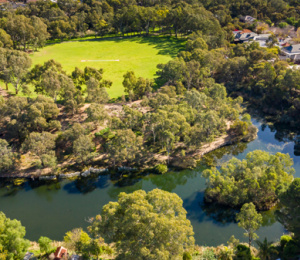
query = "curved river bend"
x=52 y=210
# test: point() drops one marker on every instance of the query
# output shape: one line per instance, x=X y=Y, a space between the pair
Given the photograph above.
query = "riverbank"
x=176 y=161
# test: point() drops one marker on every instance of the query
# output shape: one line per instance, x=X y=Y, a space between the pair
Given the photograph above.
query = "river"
x=53 y=209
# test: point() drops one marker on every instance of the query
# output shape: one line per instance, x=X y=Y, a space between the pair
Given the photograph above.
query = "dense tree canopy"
x=12 y=238
x=259 y=179
x=145 y=225
x=289 y=213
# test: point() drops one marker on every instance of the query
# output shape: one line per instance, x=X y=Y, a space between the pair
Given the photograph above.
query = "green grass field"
x=140 y=54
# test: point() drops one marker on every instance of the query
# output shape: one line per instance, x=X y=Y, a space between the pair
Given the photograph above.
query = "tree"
x=40 y=34
x=20 y=29
x=152 y=226
x=77 y=240
x=129 y=83
x=125 y=146
x=24 y=115
x=45 y=244
x=7 y=157
x=42 y=145
x=258 y=179
x=83 y=148
x=249 y=220
x=97 y=113
x=15 y=68
x=96 y=92
x=5 y=40
x=12 y=238
x=266 y=249
x=289 y=212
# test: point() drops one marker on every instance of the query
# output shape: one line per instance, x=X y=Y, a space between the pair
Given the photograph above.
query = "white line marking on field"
x=97 y=60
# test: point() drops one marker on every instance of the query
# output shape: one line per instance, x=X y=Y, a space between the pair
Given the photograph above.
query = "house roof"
x=28 y=256
x=60 y=252
x=293 y=49
x=246 y=31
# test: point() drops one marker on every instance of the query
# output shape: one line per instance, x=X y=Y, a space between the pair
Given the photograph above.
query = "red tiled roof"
x=246 y=31
x=60 y=252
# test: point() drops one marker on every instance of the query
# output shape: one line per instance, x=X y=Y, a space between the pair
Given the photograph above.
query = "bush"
x=243 y=252
x=160 y=168
x=291 y=249
x=283 y=25
x=187 y=256
x=284 y=240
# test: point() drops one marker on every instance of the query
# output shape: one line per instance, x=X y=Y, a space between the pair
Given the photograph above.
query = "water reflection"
x=65 y=205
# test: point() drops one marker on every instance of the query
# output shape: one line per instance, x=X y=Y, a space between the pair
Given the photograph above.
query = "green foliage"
x=45 y=244
x=12 y=242
x=209 y=254
x=187 y=256
x=249 y=220
x=259 y=179
x=243 y=252
x=125 y=146
x=23 y=116
x=14 y=68
x=152 y=225
x=83 y=148
x=77 y=240
x=160 y=168
x=291 y=249
x=284 y=239
x=7 y=157
x=42 y=145
x=289 y=213
x=266 y=249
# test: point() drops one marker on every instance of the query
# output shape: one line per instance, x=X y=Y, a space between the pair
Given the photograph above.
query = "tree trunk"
x=6 y=85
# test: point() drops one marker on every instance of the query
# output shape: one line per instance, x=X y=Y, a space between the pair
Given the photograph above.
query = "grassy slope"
x=139 y=54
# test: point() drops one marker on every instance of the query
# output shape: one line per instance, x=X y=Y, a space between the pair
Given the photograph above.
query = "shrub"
x=291 y=249
x=187 y=256
x=243 y=252
x=284 y=240
x=283 y=25
x=160 y=168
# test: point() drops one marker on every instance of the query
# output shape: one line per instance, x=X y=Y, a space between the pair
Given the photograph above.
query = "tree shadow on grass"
x=165 y=45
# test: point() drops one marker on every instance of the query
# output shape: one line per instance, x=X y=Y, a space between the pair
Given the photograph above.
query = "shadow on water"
x=86 y=185
x=169 y=181
x=223 y=154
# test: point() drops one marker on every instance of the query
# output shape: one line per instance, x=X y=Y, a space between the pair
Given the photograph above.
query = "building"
x=61 y=253
x=29 y=256
x=291 y=52
x=243 y=36
x=247 y=19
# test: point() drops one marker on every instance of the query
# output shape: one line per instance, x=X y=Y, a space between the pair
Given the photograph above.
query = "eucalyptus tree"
x=143 y=225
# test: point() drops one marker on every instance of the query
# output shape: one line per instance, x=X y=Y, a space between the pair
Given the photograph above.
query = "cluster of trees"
x=273 y=87
x=153 y=225
x=191 y=109
x=260 y=179
x=38 y=21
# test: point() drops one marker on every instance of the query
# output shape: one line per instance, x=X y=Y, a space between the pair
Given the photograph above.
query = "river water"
x=53 y=209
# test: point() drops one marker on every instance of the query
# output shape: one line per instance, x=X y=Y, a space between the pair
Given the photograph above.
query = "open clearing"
x=115 y=56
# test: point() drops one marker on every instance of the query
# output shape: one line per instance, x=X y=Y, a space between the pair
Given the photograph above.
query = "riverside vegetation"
x=71 y=122
x=153 y=225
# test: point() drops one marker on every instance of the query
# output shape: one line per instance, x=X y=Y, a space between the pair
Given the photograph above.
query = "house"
x=29 y=256
x=244 y=35
x=262 y=39
x=291 y=52
x=61 y=253
x=247 y=19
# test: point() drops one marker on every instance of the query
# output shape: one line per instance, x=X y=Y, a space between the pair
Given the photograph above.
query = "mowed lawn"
x=140 y=54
